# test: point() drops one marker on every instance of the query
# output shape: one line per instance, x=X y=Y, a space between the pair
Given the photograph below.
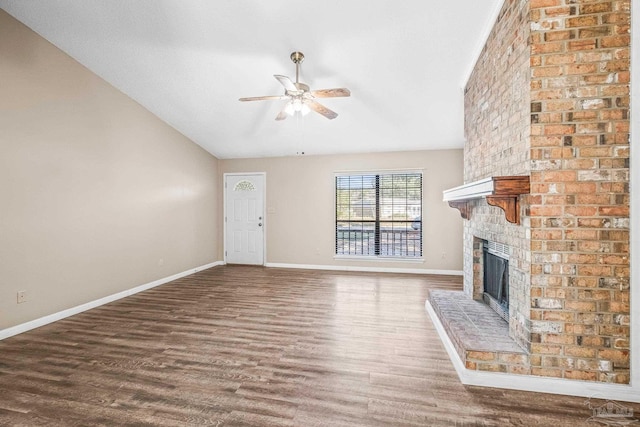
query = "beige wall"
x=97 y=195
x=300 y=196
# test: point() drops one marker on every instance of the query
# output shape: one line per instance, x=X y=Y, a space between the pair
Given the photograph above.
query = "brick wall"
x=579 y=202
x=568 y=129
x=498 y=128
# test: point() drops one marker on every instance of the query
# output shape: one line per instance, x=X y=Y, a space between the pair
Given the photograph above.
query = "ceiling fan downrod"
x=297 y=58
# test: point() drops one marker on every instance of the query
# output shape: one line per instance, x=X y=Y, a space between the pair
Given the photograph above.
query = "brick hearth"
x=480 y=337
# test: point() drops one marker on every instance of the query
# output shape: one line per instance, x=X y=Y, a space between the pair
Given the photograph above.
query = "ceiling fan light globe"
x=289 y=109
x=304 y=110
x=297 y=104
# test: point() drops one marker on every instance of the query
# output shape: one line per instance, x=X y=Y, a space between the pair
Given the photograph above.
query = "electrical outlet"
x=22 y=297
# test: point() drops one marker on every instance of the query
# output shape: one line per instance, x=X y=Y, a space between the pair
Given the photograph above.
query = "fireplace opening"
x=496 y=277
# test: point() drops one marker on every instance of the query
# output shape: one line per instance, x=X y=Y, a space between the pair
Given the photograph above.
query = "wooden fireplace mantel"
x=500 y=191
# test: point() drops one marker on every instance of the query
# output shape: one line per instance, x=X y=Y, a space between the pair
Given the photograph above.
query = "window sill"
x=378 y=259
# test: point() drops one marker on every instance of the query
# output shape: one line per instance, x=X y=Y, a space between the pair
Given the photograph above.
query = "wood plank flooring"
x=251 y=346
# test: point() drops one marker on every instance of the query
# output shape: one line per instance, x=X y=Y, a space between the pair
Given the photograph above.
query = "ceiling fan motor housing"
x=301 y=87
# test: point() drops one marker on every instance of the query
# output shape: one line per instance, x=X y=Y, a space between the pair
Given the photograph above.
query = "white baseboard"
x=365 y=269
x=24 y=327
x=618 y=392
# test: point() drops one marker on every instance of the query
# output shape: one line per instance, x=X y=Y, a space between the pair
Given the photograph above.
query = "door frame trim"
x=264 y=212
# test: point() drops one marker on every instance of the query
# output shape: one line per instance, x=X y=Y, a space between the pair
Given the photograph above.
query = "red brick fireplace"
x=549 y=100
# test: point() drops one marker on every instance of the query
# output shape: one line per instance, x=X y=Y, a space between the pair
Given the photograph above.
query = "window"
x=379 y=214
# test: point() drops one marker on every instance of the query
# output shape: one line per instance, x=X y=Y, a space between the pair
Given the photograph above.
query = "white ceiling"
x=188 y=62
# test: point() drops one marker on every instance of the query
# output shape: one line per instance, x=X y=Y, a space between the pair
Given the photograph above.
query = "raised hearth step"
x=479 y=334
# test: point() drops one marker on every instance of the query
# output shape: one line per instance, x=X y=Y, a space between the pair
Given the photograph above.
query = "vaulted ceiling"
x=188 y=62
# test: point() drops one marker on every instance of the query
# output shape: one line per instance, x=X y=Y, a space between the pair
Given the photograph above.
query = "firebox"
x=496 y=277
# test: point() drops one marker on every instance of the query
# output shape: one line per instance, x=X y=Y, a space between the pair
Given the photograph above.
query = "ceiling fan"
x=300 y=97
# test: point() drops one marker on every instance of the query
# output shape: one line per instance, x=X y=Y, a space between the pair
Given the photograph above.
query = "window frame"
x=386 y=258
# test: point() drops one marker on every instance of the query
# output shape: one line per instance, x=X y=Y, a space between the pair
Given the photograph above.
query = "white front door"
x=244 y=217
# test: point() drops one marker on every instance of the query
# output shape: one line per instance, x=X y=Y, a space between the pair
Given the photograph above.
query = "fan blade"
x=286 y=82
x=264 y=98
x=283 y=113
x=331 y=93
x=319 y=108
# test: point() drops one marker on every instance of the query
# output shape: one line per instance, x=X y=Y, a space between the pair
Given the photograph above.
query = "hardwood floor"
x=238 y=345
